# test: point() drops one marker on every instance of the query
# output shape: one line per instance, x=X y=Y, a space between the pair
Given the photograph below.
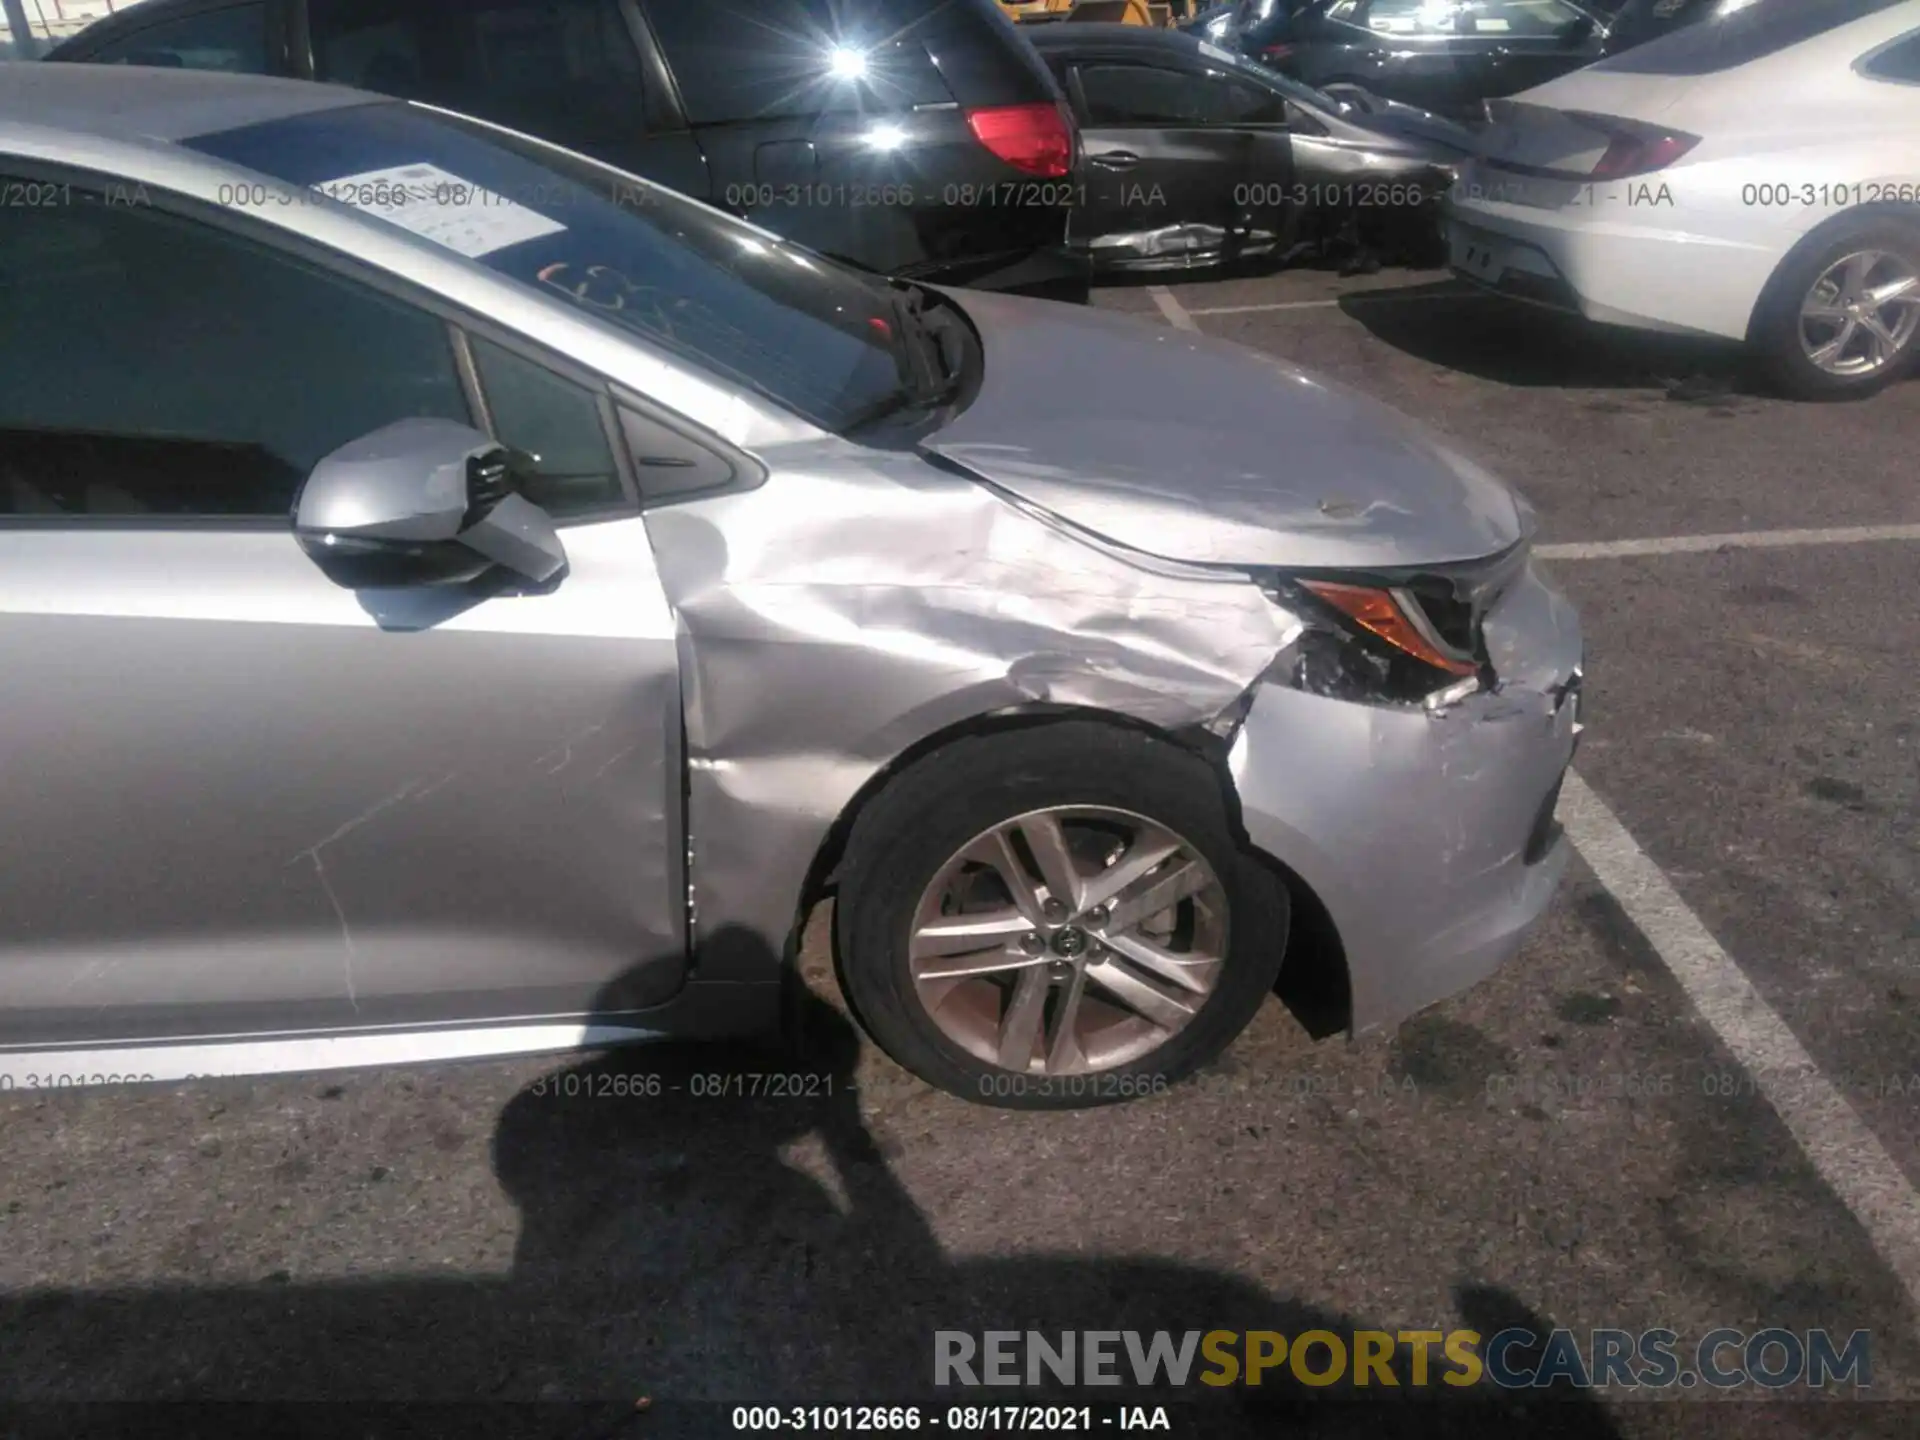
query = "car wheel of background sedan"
x=1055 y=917
x=1841 y=315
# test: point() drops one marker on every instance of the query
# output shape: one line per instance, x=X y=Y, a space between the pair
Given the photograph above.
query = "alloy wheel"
x=1861 y=314
x=1069 y=940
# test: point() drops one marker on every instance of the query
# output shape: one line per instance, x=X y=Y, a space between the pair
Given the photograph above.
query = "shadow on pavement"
x=1446 y=324
x=685 y=1239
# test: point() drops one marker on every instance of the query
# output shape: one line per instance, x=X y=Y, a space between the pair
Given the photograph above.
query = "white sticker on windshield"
x=1214 y=52
x=439 y=206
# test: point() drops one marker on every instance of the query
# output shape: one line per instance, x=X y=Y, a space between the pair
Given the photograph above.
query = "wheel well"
x=822 y=875
x=1823 y=234
x=1313 y=981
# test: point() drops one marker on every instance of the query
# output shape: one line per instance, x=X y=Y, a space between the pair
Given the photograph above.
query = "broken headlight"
x=1405 y=639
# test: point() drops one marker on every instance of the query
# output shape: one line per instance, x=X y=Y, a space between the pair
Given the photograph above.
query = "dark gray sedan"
x=1197 y=156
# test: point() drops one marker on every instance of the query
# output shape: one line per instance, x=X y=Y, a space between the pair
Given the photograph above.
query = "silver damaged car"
x=457 y=599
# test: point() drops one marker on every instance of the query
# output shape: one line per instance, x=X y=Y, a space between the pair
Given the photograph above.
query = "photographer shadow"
x=698 y=1222
x=735 y=1231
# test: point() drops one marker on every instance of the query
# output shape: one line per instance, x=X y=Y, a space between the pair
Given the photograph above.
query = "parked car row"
x=1444 y=55
x=1746 y=171
x=1196 y=155
x=944 y=143
x=921 y=140
x=1754 y=180
x=914 y=139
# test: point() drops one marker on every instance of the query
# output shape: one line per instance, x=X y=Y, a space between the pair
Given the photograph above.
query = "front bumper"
x=1428 y=837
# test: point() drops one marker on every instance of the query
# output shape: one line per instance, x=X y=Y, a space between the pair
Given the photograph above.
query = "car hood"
x=1200 y=451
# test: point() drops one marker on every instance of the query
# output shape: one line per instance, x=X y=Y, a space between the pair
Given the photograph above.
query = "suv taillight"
x=1035 y=138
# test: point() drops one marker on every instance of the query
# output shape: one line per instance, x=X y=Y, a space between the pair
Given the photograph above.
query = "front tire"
x=1055 y=917
x=1840 y=317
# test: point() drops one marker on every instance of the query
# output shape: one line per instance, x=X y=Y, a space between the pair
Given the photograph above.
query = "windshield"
x=1284 y=84
x=808 y=333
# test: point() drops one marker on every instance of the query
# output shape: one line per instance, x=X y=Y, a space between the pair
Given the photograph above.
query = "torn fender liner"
x=834 y=618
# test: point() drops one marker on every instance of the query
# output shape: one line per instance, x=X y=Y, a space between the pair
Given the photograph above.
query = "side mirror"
x=423 y=502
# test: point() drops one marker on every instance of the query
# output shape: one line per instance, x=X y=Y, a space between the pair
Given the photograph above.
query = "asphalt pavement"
x=1588 y=1140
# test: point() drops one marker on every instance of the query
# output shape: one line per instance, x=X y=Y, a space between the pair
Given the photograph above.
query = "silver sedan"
x=457 y=599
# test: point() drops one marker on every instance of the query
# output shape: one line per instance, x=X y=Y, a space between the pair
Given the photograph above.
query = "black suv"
x=921 y=138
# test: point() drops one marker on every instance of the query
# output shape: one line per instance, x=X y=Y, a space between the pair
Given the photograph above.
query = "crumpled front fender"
x=851 y=608
x=1427 y=836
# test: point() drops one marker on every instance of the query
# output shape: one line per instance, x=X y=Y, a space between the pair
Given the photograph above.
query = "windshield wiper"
x=930 y=373
x=937 y=370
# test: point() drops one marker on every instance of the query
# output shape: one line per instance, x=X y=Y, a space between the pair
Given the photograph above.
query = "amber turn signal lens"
x=1376 y=611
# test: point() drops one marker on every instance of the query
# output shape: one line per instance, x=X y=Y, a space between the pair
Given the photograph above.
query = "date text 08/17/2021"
x=957 y=1419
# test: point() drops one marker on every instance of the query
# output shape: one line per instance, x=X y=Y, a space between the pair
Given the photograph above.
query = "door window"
x=1521 y=19
x=554 y=422
x=1125 y=95
x=1241 y=103
x=566 y=70
x=155 y=366
x=234 y=39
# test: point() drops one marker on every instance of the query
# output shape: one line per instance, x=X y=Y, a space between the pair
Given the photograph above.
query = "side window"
x=1143 y=95
x=557 y=424
x=1899 y=62
x=566 y=70
x=197 y=374
x=1303 y=122
x=1240 y=103
x=1402 y=17
x=1522 y=19
x=765 y=59
x=233 y=39
x=368 y=46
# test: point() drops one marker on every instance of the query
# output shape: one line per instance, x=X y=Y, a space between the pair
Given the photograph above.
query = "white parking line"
x=1745 y=540
x=1380 y=296
x=1274 y=305
x=1848 y=1156
x=1175 y=312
